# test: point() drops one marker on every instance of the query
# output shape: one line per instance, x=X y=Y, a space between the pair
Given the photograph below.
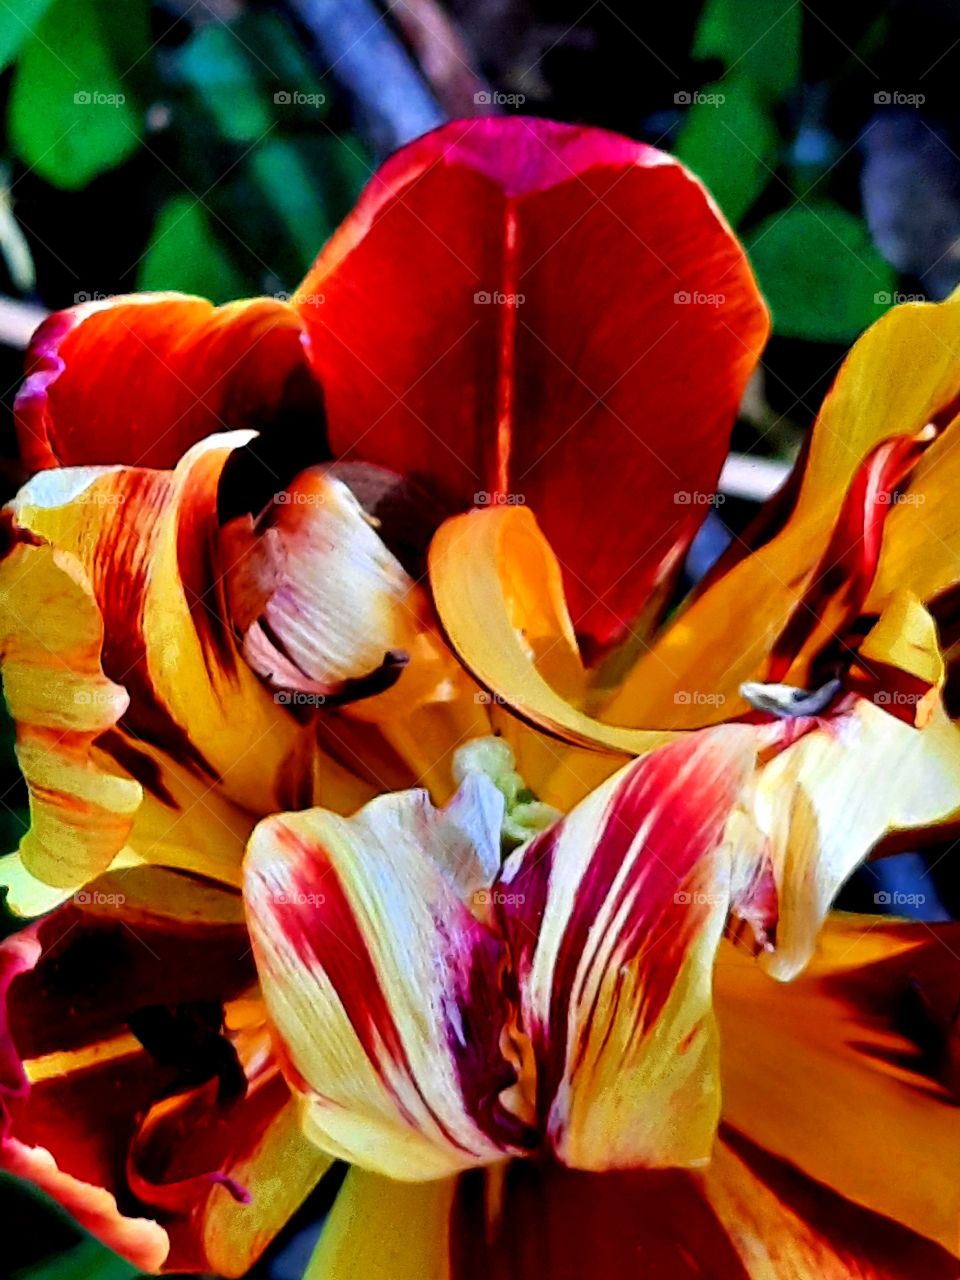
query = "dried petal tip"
x=786 y=701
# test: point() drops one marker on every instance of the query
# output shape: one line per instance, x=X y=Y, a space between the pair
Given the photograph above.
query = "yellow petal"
x=822 y=1074
x=825 y=802
x=380 y=1229
x=903 y=373
x=50 y=640
x=498 y=590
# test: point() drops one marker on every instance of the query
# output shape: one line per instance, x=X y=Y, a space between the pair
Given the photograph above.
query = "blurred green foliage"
x=820 y=273
x=248 y=172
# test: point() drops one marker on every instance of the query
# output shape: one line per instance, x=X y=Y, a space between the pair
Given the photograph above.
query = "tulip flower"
x=387 y=842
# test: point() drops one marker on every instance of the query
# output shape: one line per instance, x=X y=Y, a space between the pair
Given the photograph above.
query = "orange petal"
x=140 y=379
x=850 y=1072
x=97 y=1116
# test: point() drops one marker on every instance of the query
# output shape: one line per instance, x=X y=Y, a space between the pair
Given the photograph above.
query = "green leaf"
x=250 y=75
x=184 y=253
x=18 y=20
x=820 y=273
x=760 y=40
x=294 y=196
x=730 y=142
x=87 y=1261
x=218 y=67
x=72 y=113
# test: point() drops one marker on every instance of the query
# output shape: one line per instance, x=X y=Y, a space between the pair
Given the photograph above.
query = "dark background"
x=213 y=145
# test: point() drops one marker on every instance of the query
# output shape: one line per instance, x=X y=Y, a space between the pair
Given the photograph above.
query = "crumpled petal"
x=82 y=808
x=824 y=803
x=382 y=984
x=132 y=585
x=329 y=615
x=178 y=1145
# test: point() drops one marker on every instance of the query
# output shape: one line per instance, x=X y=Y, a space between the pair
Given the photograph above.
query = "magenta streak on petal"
x=687 y=822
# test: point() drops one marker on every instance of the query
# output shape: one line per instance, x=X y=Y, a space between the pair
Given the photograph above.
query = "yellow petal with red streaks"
x=382 y=983
x=613 y=917
x=824 y=802
x=902 y=374
x=188 y=722
x=50 y=640
x=329 y=615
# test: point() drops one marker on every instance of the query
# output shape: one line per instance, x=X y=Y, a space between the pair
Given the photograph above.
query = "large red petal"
x=599 y=399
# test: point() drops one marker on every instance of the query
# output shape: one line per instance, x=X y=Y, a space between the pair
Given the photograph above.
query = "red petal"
x=81 y=1094
x=598 y=399
x=139 y=379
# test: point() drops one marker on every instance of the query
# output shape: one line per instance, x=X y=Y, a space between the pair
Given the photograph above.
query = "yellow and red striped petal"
x=139 y=379
x=745 y=1217
x=329 y=615
x=137 y=577
x=851 y=1072
x=51 y=634
x=382 y=983
x=613 y=918
x=120 y=1016
x=149 y=542
x=903 y=374
x=823 y=803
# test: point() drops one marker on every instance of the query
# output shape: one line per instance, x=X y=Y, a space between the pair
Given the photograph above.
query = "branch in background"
x=359 y=49
x=443 y=56
x=18 y=321
x=755 y=479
